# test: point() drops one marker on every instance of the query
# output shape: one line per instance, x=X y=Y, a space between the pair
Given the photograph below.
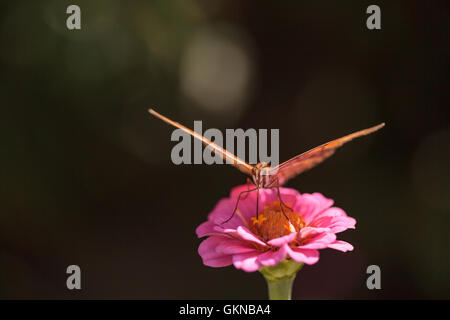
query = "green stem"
x=280 y=289
x=280 y=279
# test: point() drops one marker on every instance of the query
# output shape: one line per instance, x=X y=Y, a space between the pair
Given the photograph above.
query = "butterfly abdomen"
x=261 y=176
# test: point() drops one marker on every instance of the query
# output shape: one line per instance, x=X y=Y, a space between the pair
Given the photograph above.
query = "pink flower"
x=250 y=244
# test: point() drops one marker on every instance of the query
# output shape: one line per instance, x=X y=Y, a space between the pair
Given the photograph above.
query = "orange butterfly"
x=264 y=176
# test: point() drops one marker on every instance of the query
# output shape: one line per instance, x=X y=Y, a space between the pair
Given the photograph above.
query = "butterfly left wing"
x=313 y=157
x=226 y=155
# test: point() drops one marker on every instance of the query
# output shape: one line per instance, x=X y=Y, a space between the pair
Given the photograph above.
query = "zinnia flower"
x=249 y=243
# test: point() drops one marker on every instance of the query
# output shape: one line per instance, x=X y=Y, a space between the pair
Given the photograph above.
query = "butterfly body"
x=261 y=176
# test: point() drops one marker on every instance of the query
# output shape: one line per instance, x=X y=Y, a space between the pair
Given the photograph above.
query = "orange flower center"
x=272 y=223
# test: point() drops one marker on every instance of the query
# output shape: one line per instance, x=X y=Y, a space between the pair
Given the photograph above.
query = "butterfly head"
x=261 y=175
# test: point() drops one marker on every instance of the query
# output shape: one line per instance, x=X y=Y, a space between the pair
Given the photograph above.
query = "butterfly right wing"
x=313 y=157
x=227 y=156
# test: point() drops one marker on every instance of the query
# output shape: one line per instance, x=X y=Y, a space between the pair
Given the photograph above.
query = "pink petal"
x=246 y=261
x=267 y=196
x=289 y=196
x=278 y=242
x=247 y=207
x=320 y=241
x=310 y=205
x=247 y=202
x=228 y=231
x=271 y=258
x=234 y=247
x=249 y=236
x=307 y=256
x=335 y=219
x=219 y=262
x=245 y=211
x=343 y=224
x=222 y=211
x=205 y=229
x=234 y=193
x=341 y=246
x=315 y=238
x=207 y=248
x=311 y=232
x=210 y=256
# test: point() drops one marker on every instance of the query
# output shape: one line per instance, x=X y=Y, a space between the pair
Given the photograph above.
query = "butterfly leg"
x=255 y=222
x=279 y=197
x=282 y=204
x=257 y=202
x=237 y=202
x=249 y=184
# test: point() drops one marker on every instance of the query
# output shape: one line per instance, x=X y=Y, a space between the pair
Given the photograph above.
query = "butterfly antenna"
x=160 y=116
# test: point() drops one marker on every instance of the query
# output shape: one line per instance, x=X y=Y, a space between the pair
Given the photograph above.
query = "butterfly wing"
x=227 y=156
x=313 y=157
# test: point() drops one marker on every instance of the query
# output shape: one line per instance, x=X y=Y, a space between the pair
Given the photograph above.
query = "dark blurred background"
x=86 y=175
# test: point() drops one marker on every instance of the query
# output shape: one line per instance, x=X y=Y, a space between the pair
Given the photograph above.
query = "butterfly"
x=267 y=177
